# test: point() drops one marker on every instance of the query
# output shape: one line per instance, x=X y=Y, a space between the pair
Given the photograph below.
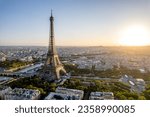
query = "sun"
x=135 y=35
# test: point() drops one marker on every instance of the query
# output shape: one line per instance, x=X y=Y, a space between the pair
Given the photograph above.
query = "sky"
x=76 y=22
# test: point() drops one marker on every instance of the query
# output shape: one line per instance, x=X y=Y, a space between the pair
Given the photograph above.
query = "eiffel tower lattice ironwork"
x=52 y=66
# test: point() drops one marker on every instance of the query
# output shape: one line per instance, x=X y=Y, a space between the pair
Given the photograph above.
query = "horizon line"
x=82 y=46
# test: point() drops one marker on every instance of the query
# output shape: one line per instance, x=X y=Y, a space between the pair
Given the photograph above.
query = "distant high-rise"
x=52 y=66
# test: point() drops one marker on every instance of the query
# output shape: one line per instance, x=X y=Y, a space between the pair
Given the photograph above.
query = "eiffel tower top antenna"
x=51 y=12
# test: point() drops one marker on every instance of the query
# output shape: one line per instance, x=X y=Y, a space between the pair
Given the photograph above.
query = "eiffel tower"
x=52 y=66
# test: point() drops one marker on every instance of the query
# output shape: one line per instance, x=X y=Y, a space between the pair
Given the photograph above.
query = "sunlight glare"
x=135 y=36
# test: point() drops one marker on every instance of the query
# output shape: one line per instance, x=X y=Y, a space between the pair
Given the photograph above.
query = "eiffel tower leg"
x=58 y=74
x=63 y=70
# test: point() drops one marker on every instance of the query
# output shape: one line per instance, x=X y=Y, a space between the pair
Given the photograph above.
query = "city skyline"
x=77 y=23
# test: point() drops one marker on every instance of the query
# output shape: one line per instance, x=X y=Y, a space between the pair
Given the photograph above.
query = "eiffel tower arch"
x=53 y=65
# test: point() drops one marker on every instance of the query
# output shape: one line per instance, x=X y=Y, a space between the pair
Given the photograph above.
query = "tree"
x=119 y=96
x=130 y=98
x=141 y=98
x=36 y=88
x=53 y=87
x=147 y=94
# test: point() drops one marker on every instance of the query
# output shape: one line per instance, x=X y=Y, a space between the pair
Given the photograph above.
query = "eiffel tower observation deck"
x=53 y=66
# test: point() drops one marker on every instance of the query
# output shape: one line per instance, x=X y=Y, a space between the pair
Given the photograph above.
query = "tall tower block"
x=52 y=66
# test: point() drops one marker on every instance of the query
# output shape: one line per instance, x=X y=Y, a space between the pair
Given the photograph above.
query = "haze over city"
x=77 y=22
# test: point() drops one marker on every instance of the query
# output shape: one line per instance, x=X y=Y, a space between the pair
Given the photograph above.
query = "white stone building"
x=22 y=94
x=101 y=96
x=65 y=94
